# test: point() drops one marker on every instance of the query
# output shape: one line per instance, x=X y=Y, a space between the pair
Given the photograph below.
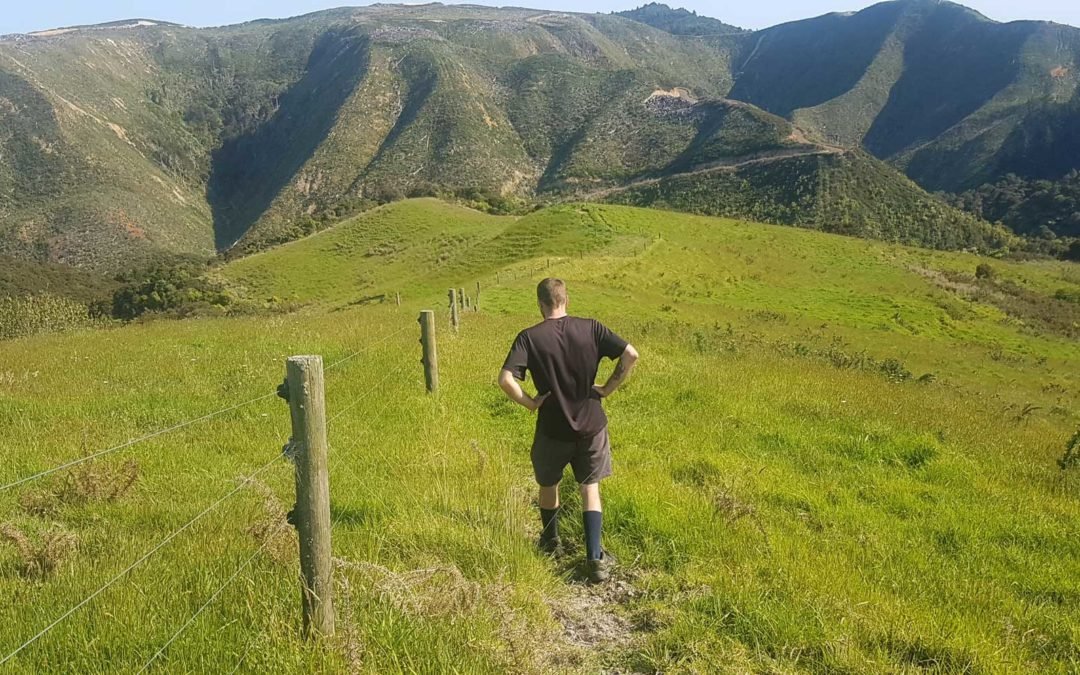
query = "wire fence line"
x=244 y=482
x=374 y=389
x=180 y=425
x=221 y=589
x=367 y=347
x=243 y=657
x=133 y=441
x=379 y=453
x=146 y=556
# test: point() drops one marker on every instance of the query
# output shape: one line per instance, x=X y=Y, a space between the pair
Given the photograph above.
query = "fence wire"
x=134 y=441
x=213 y=597
x=146 y=556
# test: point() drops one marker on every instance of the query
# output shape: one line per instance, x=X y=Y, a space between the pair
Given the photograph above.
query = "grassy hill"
x=130 y=141
x=836 y=455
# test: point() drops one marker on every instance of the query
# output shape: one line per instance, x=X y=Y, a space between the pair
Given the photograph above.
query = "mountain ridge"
x=163 y=138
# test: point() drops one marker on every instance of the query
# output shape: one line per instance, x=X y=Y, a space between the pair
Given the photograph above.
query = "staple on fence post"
x=307 y=405
x=430 y=358
x=454 y=321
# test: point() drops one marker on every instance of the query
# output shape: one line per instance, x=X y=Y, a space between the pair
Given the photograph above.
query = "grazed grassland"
x=791 y=493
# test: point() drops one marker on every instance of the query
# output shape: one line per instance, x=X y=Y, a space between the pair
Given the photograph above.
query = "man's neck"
x=556 y=314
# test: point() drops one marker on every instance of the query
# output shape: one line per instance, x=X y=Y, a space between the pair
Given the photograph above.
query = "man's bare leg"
x=549 y=518
x=590 y=497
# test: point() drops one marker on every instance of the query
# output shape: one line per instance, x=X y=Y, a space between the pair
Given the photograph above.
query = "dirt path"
x=722 y=165
x=590 y=618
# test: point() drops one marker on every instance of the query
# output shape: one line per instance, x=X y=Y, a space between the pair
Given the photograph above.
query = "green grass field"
x=836 y=455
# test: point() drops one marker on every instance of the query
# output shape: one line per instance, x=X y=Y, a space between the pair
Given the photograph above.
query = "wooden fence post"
x=431 y=355
x=304 y=379
x=399 y=298
x=476 y=301
x=454 y=321
x=461 y=299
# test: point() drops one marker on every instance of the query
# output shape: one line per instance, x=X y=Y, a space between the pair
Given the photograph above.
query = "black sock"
x=594 y=523
x=550 y=520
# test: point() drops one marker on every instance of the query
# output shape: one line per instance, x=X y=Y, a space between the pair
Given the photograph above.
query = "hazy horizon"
x=202 y=13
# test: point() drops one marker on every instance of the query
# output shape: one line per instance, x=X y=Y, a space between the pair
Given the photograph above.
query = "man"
x=563 y=354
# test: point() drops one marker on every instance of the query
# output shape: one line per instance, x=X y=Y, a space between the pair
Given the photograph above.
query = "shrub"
x=985 y=271
x=1071 y=458
x=35 y=314
x=182 y=289
x=1073 y=252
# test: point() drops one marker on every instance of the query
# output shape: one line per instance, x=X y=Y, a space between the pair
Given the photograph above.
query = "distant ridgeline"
x=138 y=139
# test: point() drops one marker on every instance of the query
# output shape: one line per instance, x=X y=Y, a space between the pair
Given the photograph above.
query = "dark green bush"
x=182 y=289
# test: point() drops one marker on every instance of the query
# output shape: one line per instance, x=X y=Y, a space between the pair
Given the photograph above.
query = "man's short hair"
x=551 y=293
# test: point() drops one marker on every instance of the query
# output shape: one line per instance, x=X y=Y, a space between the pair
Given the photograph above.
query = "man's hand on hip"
x=535 y=403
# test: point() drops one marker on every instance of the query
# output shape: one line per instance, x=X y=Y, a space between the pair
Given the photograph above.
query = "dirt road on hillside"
x=732 y=164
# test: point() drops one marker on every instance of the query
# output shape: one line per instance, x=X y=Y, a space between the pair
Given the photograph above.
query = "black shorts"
x=589 y=457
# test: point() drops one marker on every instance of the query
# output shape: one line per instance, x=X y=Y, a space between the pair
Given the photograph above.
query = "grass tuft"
x=41 y=559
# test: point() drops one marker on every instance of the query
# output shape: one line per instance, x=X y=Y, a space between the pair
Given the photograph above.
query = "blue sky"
x=19 y=16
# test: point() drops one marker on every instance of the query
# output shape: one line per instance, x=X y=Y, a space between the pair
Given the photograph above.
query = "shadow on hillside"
x=249 y=171
x=808 y=63
x=421 y=76
x=930 y=99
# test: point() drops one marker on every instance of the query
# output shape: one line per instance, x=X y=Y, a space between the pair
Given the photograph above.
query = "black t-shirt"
x=563 y=356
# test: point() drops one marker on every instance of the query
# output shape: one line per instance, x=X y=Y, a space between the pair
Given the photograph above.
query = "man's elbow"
x=506 y=380
x=630 y=355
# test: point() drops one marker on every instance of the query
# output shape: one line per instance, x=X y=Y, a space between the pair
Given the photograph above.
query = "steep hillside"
x=935 y=88
x=126 y=143
x=844 y=193
x=126 y=140
x=1036 y=207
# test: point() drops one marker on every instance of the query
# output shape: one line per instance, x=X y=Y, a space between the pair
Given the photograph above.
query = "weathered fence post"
x=431 y=355
x=498 y=278
x=398 y=298
x=304 y=385
x=453 y=308
x=476 y=302
x=461 y=299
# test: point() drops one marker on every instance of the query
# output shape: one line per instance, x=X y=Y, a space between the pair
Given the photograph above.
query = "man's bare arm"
x=512 y=388
x=622 y=371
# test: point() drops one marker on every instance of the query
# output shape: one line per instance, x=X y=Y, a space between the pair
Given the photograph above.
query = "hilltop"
x=678 y=21
x=135 y=141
